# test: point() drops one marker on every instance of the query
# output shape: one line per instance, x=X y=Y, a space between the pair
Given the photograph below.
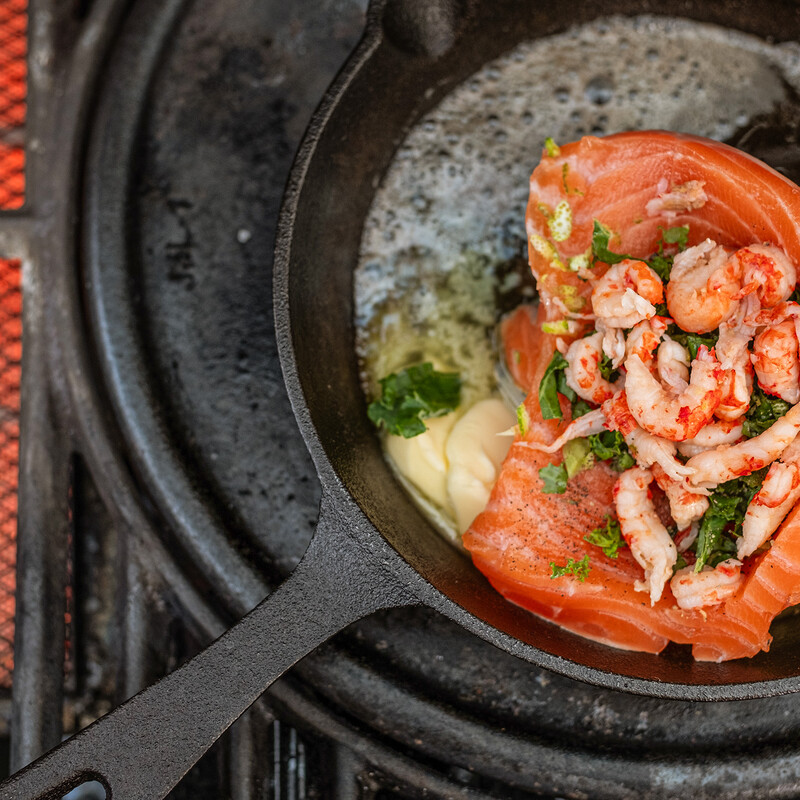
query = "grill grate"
x=13 y=84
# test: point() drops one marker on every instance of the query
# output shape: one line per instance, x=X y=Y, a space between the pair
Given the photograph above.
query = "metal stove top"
x=160 y=454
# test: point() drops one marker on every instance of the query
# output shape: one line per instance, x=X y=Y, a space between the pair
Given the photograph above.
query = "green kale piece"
x=608 y=538
x=580 y=569
x=414 y=394
x=554 y=479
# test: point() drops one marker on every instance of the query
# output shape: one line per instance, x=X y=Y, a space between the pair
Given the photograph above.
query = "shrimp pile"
x=699 y=373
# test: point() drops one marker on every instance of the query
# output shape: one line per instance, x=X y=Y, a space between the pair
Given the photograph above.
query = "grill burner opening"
x=192 y=492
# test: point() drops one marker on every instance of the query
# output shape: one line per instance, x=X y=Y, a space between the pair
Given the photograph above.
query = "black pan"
x=373 y=549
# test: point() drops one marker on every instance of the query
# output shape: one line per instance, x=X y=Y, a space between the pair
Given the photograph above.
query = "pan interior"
x=455 y=193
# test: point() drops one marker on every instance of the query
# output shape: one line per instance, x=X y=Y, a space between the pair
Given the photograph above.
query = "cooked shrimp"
x=685 y=505
x=721 y=464
x=645 y=448
x=593 y=422
x=712 y=435
x=613 y=343
x=703 y=287
x=671 y=416
x=686 y=538
x=773 y=501
x=775 y=358
x=767 y=271
x=583 y=373
x=643 y=531
x=644 y=339
x=708 y=587
x=673 y=364
x=734 y=357
x=626 y=294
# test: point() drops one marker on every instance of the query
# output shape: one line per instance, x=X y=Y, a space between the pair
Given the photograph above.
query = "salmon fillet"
x=634 y=183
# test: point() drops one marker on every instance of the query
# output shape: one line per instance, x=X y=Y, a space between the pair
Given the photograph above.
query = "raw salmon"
x=634 y=183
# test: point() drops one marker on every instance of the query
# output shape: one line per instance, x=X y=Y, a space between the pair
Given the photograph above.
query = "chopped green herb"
x=578 y=455
x=556 y=327
x=764 y=410
x=723 y=520
x=678 y=235
x=693 y=341
x=662 y=266
x=609 y=538
x=547 y=251
x=551 y=148
x=580 y=569
x=610 y=446
x=680 y=563
x=414 y=394
x=560 y=223
x=601 y=235
x=579 y=408
x=607 y=369
x=580 y=262
x=572 y=300
x=659 y=263
x=554 y=479
x=553 y=382
x=523 y=419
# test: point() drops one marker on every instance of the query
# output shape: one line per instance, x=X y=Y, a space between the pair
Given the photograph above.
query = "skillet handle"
x=146 y=745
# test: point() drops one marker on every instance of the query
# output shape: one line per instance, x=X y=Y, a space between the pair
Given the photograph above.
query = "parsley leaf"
x=580 y=569
x=609 y=539
x=693 y=341
x=600 y=239
x=763 y=411
x=660 y=264
x=678 y=235
x=727 y=506
x=607 y=370
x=413 y=394
x=579 y=408
x=553 y=382
x=610 y=446
x=554 y=479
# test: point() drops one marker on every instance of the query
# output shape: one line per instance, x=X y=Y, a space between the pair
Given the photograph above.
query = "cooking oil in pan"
x=443 y=247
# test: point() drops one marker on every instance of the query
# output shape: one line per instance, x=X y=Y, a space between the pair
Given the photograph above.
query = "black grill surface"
x=191 y=490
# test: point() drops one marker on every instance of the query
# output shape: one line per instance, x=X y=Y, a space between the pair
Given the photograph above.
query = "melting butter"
x=455 y=463
x=475 y=449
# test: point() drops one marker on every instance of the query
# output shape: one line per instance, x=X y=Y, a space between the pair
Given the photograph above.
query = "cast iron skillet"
x=372 y=548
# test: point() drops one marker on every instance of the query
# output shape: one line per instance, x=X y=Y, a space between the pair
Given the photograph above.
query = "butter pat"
x=422 y=460
x=475 y=449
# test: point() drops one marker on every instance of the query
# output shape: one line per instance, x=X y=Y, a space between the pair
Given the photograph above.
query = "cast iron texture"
x=412 y=676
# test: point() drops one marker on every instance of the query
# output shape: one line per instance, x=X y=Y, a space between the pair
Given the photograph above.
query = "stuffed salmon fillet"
x=650 y=493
